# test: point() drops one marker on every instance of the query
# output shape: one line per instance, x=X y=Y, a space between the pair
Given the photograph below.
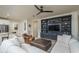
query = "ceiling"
x=20 y=12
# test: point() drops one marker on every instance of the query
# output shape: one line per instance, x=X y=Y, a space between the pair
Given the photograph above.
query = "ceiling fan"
x=41 y=10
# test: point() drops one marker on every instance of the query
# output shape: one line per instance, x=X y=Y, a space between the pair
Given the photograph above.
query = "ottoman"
x=42 y=44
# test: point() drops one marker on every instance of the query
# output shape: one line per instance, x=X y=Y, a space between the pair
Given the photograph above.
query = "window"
x=4 y=28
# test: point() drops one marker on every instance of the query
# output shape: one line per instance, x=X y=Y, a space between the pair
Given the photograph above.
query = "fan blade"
x=38 y=13
x=37 y=7
x=41 y=7
x=47 y=11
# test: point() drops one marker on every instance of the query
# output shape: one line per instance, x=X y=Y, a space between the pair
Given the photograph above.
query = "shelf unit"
x=65 y=25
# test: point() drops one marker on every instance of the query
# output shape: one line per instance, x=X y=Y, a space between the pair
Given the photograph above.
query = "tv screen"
x=54 y=28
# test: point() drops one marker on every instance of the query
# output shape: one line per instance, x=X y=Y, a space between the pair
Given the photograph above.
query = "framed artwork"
x=16 y=27
x=29 y=25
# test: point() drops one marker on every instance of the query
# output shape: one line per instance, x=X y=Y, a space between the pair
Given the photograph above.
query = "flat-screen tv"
x=55 y=27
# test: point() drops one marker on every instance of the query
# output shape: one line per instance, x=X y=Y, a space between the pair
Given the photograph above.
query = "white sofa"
x=8 y=46
x=0 y=40
x=15 y=45
x=64 y=44
x=74 y=45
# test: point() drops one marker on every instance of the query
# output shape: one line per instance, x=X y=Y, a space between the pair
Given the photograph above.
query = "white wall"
x=11 y=26
x=29 y=29
x=6 y=22
x=35 y=28
x=75 y=24
x=21 y=27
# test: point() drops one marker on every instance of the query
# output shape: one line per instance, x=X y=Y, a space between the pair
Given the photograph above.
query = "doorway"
x=35 y=28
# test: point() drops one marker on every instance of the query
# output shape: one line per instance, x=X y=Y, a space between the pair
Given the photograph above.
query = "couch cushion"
x=16 y=38
x=21 y=39
x=60 y=46
x=5 y=45
x=32 y=49
x=15 y=41
x=8 y=46
x=59 y=38
x=15 y=49
x=66 y=38
x=72 y=41
x=74 y=45
x=11 y=35
x=0 y=40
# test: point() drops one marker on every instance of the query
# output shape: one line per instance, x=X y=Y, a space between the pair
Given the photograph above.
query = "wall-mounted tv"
x=54 y=27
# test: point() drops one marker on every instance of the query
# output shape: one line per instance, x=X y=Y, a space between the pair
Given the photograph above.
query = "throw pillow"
x=66 y=38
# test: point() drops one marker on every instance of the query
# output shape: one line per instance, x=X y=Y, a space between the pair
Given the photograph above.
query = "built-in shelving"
x=65 y=26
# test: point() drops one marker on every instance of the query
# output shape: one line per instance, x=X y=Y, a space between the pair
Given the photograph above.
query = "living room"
x=27 y=20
